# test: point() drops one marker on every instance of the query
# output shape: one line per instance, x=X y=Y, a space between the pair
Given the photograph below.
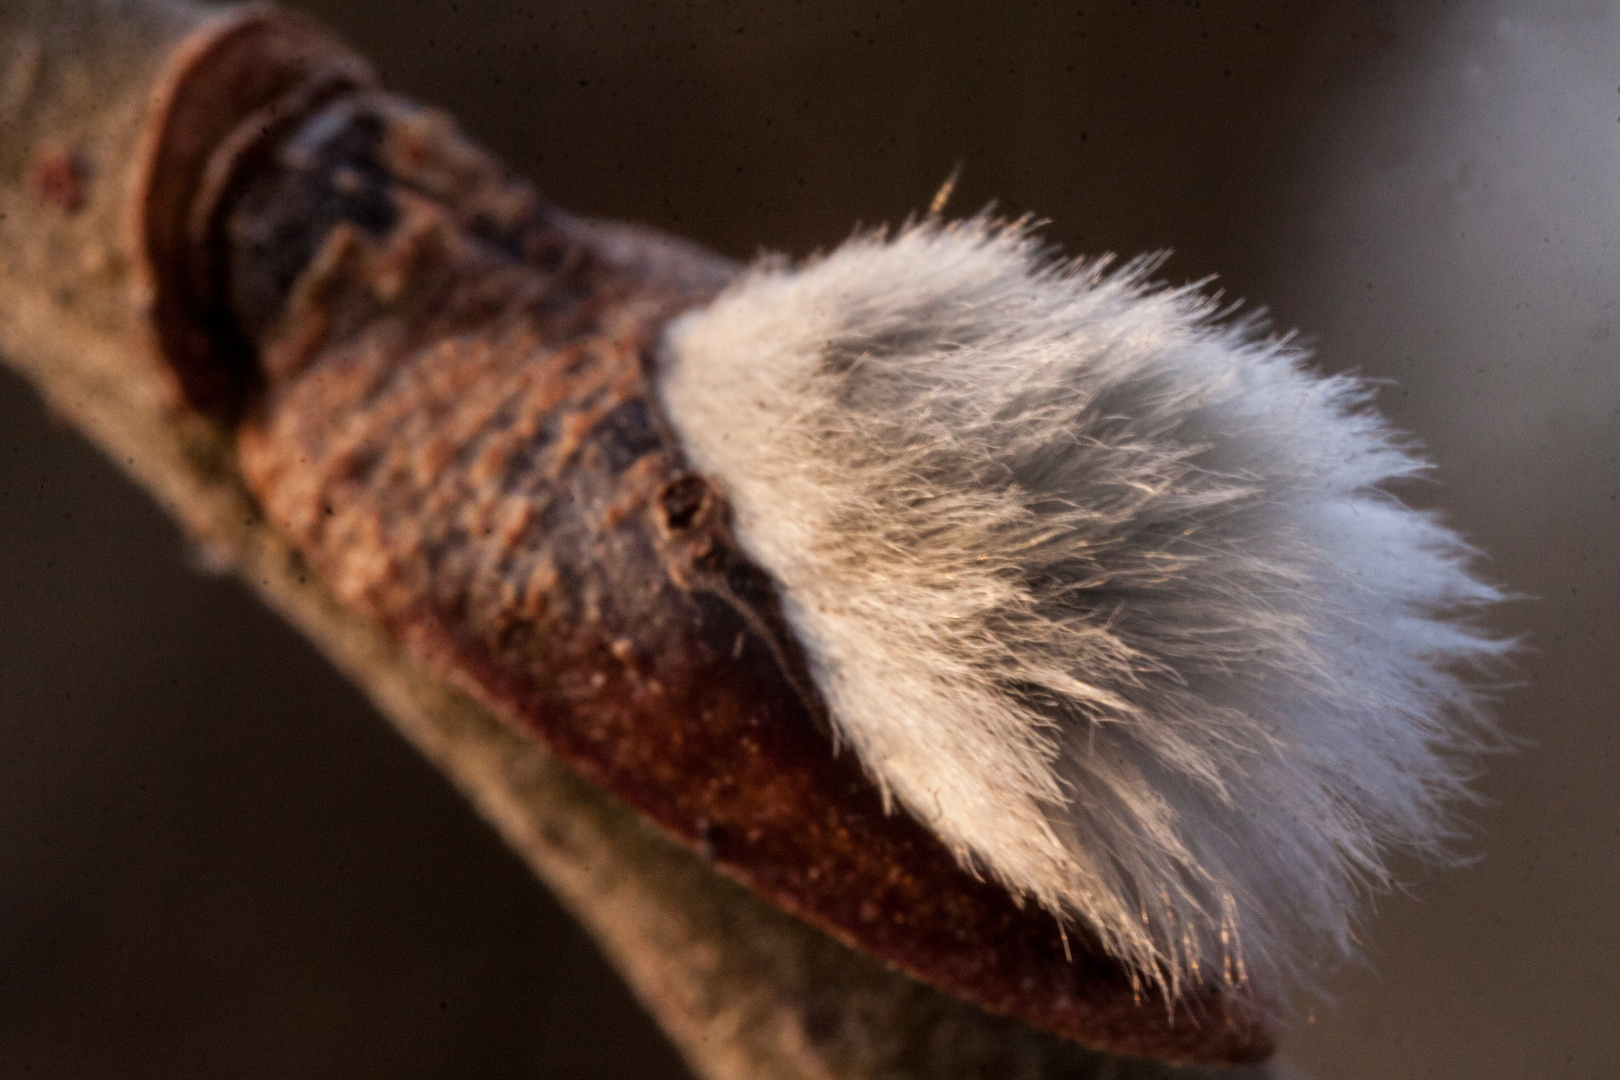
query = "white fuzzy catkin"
x=1104 y=590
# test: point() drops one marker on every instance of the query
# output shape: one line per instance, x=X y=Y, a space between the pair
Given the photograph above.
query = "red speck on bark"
x=58 y=179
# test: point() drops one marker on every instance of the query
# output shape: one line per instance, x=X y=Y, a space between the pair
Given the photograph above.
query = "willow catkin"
x=1108 y=592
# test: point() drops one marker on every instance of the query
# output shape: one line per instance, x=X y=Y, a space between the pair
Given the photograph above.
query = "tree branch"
x=744 y=990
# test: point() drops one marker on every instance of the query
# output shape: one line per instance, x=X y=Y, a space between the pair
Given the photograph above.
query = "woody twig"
x=115 y=156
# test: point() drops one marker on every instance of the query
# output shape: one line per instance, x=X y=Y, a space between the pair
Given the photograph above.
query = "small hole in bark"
x=821 y=1023
x=682 y=501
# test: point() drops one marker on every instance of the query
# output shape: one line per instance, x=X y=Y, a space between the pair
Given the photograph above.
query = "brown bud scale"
x=452 y=418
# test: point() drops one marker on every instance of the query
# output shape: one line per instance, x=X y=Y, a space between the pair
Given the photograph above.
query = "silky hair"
x=1102 y=585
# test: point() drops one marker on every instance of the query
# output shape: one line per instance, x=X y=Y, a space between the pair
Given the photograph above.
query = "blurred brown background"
x=215 y=860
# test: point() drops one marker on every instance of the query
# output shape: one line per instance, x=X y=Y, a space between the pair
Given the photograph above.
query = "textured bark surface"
x=745 y=990
x=468 y=451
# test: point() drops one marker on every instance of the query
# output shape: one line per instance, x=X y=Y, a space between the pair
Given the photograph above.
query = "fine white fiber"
x=1104 y=588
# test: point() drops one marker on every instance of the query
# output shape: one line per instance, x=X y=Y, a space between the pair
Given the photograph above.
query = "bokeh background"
x=216 y=860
